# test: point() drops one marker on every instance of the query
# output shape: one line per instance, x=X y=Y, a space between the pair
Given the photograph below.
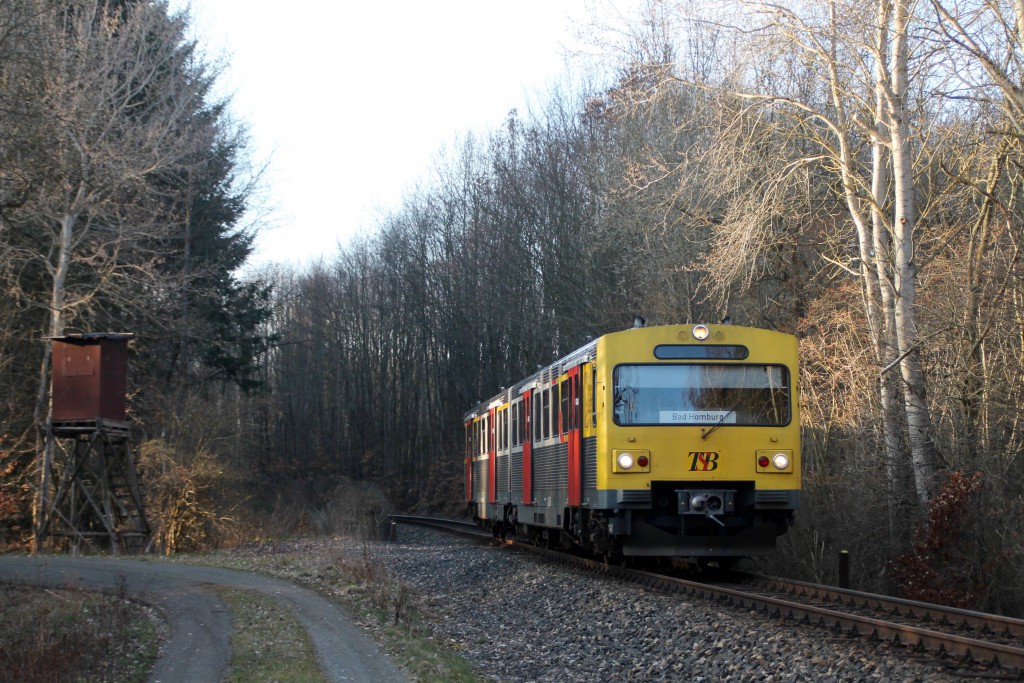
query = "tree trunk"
x=885 y=342
x=923 y=457
x=44 y=421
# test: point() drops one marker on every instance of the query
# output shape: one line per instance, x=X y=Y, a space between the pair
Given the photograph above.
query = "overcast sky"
x=350 y=101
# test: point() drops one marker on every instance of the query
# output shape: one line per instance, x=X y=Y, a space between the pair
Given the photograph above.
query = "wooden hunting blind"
x=90 y=491
x=90 y=377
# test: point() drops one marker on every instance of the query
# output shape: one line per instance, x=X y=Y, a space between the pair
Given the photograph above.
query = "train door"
x=574 y=440
x=528 y=446
x=492 y=460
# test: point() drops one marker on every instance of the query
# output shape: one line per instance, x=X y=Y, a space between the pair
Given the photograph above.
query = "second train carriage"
x=675 y=441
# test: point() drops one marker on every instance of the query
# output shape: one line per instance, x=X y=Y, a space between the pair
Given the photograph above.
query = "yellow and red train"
x=664 y=441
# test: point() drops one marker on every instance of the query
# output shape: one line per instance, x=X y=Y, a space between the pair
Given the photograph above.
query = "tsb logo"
x=703 y=461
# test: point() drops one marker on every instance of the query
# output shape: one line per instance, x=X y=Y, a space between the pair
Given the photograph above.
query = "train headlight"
x=632 y=460
x=700 y=332
x=775 y=461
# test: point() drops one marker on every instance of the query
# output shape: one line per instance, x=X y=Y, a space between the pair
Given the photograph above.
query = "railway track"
x=971 y=638
x=453 y=526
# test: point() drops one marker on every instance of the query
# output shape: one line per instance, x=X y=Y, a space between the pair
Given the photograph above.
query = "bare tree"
x=842 y=74
x=110 y=110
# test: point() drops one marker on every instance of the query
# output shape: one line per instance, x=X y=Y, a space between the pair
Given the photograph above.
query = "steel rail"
x=926 y=611
x=1004 y=656
x=452 y=525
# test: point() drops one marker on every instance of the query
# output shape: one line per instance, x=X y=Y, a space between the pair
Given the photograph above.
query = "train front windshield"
x=701 y=394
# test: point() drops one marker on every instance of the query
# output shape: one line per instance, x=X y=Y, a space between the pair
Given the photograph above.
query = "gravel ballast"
x=520 y=618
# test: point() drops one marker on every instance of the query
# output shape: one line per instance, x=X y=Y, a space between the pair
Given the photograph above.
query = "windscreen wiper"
x=705 y=433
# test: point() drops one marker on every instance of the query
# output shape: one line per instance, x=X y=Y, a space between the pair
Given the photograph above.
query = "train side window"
x=515 y=424
x=552 y=411
x=575 y=407
x=546 y=413
x=527 y=419
x=522 y=422
x=518 y=427
x=563 y=406
x=538 y=403
x=521 y=433
x=541 y=420
x=593 y=398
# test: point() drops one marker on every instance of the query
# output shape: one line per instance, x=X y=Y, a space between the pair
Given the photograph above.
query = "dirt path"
x=198 y=644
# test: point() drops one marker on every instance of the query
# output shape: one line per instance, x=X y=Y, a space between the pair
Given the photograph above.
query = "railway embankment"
x=518 y=618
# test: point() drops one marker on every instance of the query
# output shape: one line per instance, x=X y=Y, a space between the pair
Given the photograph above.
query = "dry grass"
x=51 y=636
x=268 y=642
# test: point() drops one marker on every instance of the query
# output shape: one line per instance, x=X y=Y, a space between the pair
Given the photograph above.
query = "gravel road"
x=199 y=624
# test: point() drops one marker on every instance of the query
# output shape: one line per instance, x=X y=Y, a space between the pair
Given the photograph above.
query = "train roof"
x=543 y=374
x=549 y=372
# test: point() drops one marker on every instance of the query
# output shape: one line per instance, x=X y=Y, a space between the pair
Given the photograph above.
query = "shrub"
x=941 y=567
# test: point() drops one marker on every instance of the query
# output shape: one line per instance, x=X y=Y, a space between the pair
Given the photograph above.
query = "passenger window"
x=563 y=406
x=546 y=410
x=538 y=404
x=515 y=424
x=527 y=418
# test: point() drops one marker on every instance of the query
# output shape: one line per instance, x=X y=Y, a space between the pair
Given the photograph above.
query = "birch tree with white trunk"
x=866 y=67
x=856 y=68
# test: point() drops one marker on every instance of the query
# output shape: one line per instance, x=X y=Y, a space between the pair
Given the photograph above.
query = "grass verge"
x=268 y=643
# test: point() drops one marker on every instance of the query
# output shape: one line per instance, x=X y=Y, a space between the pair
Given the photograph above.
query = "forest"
x=848 y=171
